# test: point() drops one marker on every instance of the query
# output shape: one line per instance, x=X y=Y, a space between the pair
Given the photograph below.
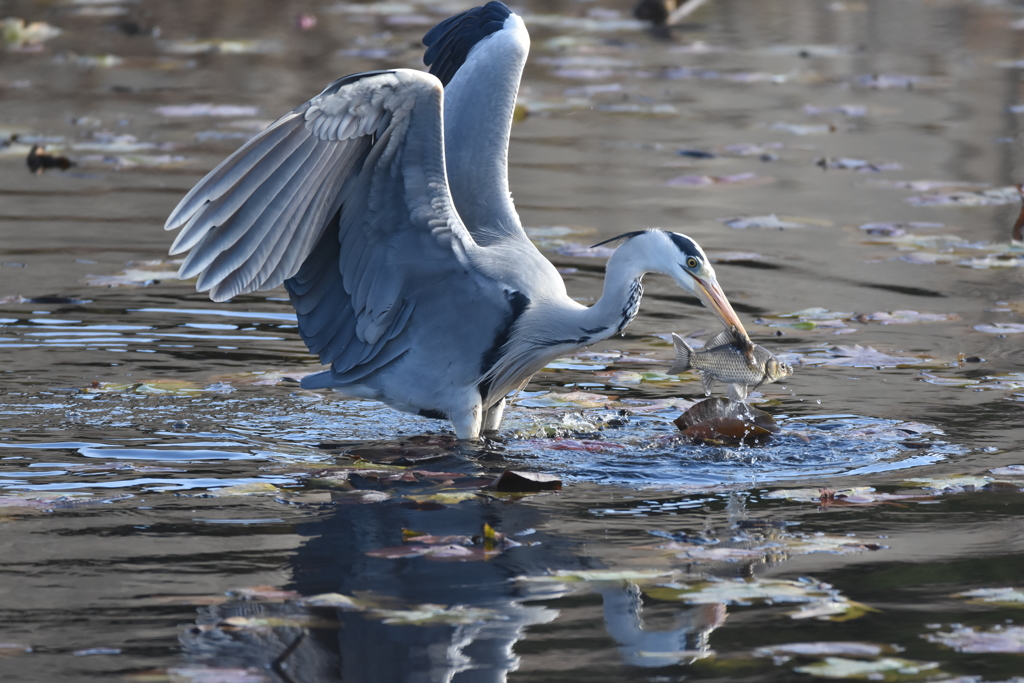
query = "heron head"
x=687 y=264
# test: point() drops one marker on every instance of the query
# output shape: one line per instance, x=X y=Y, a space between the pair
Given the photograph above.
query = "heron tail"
x=683 y=352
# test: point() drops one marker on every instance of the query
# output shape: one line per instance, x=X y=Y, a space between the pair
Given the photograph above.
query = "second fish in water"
x=725 y=359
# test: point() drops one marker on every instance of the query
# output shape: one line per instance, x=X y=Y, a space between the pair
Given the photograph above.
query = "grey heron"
x=383 y=206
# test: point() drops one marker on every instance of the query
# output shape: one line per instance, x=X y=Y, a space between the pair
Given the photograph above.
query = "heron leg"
x=467 y=423
x=492 y=418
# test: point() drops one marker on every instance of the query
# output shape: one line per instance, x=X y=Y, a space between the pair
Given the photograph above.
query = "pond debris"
x=718 y=180
x=97 y=651
x=859 y=165
x=136 y=276
x=899 y=82
x=217 y=110
x=39 y=161
x=992 y=197
x=818 y=600
x=850 y=110
x=207 y=674
x=250 y=489
x=786 y=651
x=222 y=47
x=40 y=500
x=884 y=669
x=511 y=481
x=487 y=545
x=1006 y=639
x=1000 y=328
x=771 y=221
x=18 y=35
x=997 y=597
x=897 y=229
x=804 y=128
x=720 y=421
x=857 y=356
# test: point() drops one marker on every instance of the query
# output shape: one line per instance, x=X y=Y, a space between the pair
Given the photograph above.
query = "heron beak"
x=712 y=296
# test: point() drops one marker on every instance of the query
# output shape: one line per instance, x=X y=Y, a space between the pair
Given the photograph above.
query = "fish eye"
x=691 y=262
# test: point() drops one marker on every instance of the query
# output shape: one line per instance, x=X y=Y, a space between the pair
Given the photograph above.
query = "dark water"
x=172 y=504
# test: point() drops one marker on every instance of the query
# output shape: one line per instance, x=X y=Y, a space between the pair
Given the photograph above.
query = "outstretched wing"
x=345 y=200
x=479 y=56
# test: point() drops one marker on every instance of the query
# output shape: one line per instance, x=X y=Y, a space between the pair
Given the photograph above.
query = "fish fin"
x=683 y=352
x=707 y=380
x=721 y=339
x=738 y=392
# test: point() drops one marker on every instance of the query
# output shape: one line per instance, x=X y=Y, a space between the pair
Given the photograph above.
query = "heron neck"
x=620 y=299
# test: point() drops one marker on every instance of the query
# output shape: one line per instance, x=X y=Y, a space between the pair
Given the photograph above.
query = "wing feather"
x=345 y=200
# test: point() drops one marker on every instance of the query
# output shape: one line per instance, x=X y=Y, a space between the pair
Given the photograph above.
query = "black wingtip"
x=624 y=237
x=448 y=43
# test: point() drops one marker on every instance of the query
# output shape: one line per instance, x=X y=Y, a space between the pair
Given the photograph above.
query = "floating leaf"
x=426 y=615
x=224 y=47
x=1000 y=328
x=445 y=497
x=618 y=575
x=577 y=399
x=254 y=488
x=952 y=484
x=803 y=128
x=204 y=674
x=525 y=482
x=1011 y=470
x=1002 y=597
x=887 y=668
x=220 y=110
x=851 y=110
x=897 y=229
x=822 y=649
x=720 y=420
x=707 y=180
x=857 y=356
x=1009 y=639
x=336 y=600
x=907 y=317
x=994 y=197
x=770 y=221
x=263 y=594
x=859 y=165
x=131 y=277
x=290 y=621
x=17 y=34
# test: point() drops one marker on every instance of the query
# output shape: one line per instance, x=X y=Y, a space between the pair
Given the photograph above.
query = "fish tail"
x=683 y=352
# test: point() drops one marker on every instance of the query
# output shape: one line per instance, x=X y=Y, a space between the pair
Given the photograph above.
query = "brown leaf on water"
x=719 y=420
x=525 y=482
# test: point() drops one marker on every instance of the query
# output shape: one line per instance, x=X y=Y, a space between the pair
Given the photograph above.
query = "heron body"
x=383 y=206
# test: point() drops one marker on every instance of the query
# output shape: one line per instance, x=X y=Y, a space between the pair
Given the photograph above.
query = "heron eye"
x=691 y=262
